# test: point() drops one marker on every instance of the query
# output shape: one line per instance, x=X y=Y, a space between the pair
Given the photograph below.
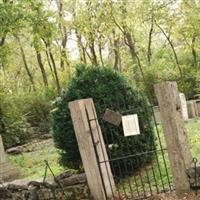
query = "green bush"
x=24 y=115
x=108 y=90
x=37 y=109
x=13 y=125
x=188 y=83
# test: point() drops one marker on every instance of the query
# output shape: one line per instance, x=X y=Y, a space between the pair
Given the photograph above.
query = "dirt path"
x=172 y=196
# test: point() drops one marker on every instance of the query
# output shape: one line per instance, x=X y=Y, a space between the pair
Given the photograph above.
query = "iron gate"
x=194 y=175
x=134 y=179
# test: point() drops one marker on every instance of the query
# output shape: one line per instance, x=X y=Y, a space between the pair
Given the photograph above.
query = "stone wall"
x=65 y=187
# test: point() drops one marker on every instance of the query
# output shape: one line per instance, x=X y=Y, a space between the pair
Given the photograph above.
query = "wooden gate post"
x=176 y=138
x=88 y=132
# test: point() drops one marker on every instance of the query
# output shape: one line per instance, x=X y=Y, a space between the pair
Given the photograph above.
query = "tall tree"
x=127 y=34
x=64 y=34
x=30 y=76
x=167 y=36
x=53 y=63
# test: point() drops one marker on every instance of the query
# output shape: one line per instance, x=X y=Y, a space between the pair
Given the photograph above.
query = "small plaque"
x=112 y=117
x=130 y=125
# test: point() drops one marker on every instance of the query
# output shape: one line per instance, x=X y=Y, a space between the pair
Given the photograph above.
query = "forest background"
x=41 y=42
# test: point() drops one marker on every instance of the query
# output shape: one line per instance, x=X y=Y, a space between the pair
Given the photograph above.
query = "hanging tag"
x=112 y=117
x=130 y=125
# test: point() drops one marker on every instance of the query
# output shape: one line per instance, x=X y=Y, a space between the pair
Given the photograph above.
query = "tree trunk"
x=129 y=42
x=194 y=54
x=55 y=71
x=116 y=54
x=26 y=65
x=48 y=60
x=149 y=53
x=49 y=54
x=93 y=53
x=2 y=41
x=64 y=58
x=41 y=66
x=2 y=124
x=91 y=37
x=172 y=47
x=64 y=34
x=100 y=53
x=81 y=48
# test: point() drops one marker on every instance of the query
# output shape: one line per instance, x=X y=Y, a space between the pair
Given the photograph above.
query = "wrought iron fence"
x=194 y=175
x=143 y=180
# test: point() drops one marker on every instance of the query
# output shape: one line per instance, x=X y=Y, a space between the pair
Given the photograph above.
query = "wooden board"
x=87 y=129
x=112 y=117
x=175 y=135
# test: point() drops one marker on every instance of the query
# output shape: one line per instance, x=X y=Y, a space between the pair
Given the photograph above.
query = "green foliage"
x=4 y=52
x=93 y=32
x=20 y=113
x=108 y=90
x=11 y=17
x=188 y=83
x=32 y=166
x=37 y=108
x=13 y=123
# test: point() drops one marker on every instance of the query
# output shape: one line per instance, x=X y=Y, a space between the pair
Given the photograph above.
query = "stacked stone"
x=65 y=187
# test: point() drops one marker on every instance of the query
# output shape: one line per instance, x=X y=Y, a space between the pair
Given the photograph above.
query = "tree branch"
x=172 y=47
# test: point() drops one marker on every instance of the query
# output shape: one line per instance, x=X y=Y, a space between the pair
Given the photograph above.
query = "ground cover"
x=32 y=166
x=157 y=177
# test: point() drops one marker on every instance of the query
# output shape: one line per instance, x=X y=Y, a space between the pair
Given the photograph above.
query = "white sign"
x=130 y=125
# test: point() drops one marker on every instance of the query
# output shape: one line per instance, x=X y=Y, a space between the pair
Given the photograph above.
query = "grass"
x=32 y=166
x=155 y=177
x=193 y=130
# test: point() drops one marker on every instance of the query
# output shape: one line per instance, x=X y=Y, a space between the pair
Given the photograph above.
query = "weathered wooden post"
x=175 y=135
x=88 y=133
x=7 y=171
x=198 y=107
x=191 y=108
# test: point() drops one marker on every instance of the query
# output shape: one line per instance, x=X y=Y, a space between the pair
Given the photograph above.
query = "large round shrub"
x=108 y=90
